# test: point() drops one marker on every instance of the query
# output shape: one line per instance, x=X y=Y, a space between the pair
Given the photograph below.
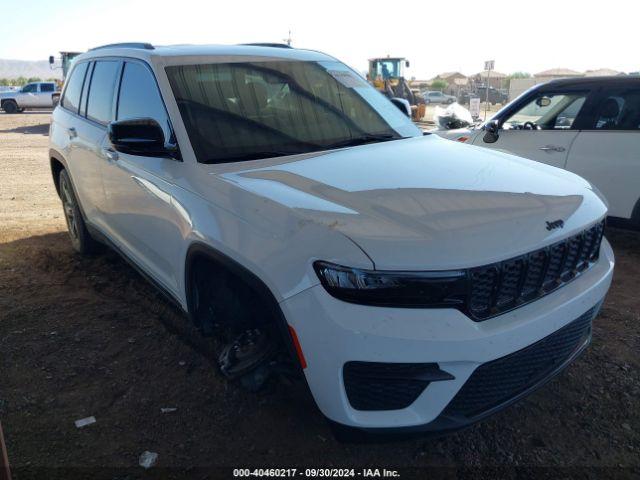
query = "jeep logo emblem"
x=555 y=224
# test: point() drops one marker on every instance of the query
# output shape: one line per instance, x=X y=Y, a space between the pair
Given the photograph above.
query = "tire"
x=81 y=240
x=10 y=106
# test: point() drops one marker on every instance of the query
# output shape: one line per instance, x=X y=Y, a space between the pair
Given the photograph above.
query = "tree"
x=439 y=85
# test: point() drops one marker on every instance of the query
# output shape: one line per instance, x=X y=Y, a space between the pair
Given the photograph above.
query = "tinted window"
x=72 y=91
x=46 y=87
x=619 y=111
x=103 y=83
x=139 y=96
x=32 y=87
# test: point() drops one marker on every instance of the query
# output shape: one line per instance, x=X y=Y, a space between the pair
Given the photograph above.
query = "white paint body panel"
x=611 y=161
x=608 y=159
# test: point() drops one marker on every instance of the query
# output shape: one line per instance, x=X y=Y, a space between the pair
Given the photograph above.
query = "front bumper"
x=332 y=333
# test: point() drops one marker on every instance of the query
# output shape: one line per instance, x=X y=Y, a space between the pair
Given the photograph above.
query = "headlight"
x=394 y=289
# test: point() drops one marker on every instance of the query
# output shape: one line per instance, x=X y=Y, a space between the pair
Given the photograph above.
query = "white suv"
x=417 y=283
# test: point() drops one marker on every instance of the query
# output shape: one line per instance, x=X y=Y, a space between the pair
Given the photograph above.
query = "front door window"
x=547 y=112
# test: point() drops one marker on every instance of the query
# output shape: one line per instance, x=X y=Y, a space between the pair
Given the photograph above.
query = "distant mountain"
x=28 y=69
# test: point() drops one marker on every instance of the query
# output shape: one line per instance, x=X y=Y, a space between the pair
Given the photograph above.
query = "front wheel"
x=10 y=106
x=81 y=240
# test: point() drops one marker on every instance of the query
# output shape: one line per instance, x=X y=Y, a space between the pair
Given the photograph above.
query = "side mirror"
x=140 y=136
x=403 y=105
x=51 y=60
x=491 y=131
x=407 y=64
x=543 y=101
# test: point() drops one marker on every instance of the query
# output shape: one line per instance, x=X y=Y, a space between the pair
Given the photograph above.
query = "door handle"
x=73 y=133
x=110 y=154
x=552 y=148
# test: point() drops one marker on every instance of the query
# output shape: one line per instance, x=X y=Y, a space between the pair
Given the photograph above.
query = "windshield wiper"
x=362 y=140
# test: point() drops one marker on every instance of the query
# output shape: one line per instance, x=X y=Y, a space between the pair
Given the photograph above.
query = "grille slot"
x=496 y=382
x=497 y=288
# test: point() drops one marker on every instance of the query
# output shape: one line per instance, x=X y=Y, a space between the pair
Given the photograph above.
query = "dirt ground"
x=88 y=336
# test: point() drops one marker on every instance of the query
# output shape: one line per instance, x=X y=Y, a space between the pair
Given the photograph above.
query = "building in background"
x=602 y=72
x=496 y=79
x=519 y=85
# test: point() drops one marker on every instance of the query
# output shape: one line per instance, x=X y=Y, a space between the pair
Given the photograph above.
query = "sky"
x=435 y=36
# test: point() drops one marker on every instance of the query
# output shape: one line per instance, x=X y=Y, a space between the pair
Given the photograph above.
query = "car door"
x=27 y=97
x=607 y=151
x=142 y=214
x=74 y=133
x=96 y=110
x=45 y=91
x=543 y=128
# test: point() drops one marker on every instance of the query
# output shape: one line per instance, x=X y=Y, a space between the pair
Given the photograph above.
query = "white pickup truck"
x=32 y=95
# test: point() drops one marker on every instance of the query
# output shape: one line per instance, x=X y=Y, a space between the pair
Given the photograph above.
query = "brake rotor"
x=247 y=352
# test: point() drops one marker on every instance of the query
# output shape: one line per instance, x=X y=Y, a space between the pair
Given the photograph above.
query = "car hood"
x=426 y=203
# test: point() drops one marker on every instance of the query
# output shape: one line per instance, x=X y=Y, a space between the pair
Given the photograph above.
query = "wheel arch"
x=201 y=251
x=57 y=164
x=7 y=100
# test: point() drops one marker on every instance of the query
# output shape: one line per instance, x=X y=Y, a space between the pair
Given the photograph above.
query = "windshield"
x=244 y=111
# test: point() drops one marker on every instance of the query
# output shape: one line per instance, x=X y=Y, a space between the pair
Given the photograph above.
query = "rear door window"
x=46 y=87
x=103 y=84
x=71 y=99
x=618 y=110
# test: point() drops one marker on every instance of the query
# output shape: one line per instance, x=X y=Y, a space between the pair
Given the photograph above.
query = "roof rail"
x=145 y=46
x=274 y=45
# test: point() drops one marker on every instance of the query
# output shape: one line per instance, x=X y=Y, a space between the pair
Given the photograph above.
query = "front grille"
x=497 y=288
x=388 y=386
x=497 y=382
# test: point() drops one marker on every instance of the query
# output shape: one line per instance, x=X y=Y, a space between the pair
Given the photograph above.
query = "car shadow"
x=40 y=129
x=29 y=112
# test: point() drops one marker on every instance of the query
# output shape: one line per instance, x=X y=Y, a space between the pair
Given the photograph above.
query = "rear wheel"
x=10 y=106
x=81 y=240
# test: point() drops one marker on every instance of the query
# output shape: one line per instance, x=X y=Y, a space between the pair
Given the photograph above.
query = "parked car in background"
x=494 y=95
x=32 y=95
x=589 y=126
x=276 y=197
x=464 y=98
x=438 y=97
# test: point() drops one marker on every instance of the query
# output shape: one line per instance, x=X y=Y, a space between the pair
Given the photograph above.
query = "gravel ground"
x=88 y=336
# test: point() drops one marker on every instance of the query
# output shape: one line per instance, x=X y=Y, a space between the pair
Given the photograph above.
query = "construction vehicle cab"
x=386 y=74
x=387 y=68
x=66 y=59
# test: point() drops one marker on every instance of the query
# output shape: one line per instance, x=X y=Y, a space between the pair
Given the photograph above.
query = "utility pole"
x=488 y=66
x=288 y=39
